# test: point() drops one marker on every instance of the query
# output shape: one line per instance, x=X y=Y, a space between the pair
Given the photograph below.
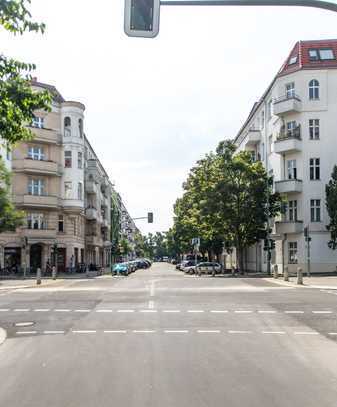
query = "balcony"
x=289 y=227
x=42 y=167
x=91 y=213
x=47 y=136
x=287 y=104
x=38 y=201
x=39 y=235
x=288 y=141
x=253 y=137
x=289 y=186
x=93 y=240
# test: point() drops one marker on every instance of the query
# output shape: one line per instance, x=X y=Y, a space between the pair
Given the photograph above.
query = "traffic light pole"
x=327 y=5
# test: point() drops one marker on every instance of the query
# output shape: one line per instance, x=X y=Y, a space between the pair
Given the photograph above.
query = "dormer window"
x=323 y=54
x=292 y=60
x=313 y=55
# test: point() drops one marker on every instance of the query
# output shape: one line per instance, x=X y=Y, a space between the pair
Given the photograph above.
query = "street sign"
x=141 y=18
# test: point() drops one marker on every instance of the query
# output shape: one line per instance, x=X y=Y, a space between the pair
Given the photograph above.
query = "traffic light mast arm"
x=327 y=5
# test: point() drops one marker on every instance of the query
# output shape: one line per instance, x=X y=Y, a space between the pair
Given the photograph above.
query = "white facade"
x=293 y=131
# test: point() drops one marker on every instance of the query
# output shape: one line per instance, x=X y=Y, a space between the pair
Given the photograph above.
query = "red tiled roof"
x=301 y=50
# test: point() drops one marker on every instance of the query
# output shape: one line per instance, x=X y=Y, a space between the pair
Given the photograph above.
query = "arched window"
x=67 y=126
x=313 y=89
x=80 y=127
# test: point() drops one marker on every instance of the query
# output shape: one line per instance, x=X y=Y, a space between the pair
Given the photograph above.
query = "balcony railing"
x=287 y=104
x=289 y=134
x=288 y=186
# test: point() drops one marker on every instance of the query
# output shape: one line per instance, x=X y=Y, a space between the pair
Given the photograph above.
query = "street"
x=160 y=338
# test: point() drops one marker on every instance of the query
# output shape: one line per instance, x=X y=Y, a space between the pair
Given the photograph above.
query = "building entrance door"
x=35 y=257
x=61 y=259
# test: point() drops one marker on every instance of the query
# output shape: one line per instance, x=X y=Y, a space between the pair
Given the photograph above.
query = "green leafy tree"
x=331 y=205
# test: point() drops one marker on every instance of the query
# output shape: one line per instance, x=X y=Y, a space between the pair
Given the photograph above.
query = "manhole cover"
x=24 y=323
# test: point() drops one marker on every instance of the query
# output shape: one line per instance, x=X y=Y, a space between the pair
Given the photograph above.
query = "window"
x=290 y=90
x=291 y=126
x=314 y=129
x=36 y=186
x=80 y=191
x=253 y=155
x=61 y=223
x=292 y=211
x=67 y=159
x=67 y=126
x=314 y=168
x=326 y=54
x=292 y=60
x=36 y=221
x=313 y=55
x=80 y=127
x=79 y=160
x=38 y=122
x=313 y=89
x=291 y=169
x=315 y=210
x=68 y=186
x=36 y=153
x=292 y=253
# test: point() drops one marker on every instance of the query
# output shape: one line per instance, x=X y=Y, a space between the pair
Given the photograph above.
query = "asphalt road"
x=159 y=338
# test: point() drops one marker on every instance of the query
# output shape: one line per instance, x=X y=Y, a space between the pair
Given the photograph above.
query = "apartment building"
x=128 y=230
x=60 y=184
x=292 y=130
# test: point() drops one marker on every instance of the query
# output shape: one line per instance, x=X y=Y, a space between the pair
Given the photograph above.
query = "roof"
x=301 y=50
x=52 y=89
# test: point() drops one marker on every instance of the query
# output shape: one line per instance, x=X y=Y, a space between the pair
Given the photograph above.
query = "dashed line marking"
x=61 y=310
x=216 y=311
x=53 y=332
x=143 y=331
x=294 y=312
x=104 y=310
x=173 y=311
x=267 y=312
x=4 y=309
x=109 y=331
x=82 y=310
x=176 y=331
x=239 y=332
x=273 y=332
x=148 y=311
x=84 y=331
x=203 y=331
x=306 y=333
x=243 y=311
x=332 y=333
x=195 y=311
x=26 y=332
x=42 y=310
x=21 y=309
x=321 y=312
x=125 y=310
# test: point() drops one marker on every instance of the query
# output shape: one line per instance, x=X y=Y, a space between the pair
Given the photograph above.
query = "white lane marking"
x=215 y=331
x=4 y=309
x=306 y=333
x=148 y=310
x=53 y=332
x=176 y=331
x=26 y=332
x=266 y=312
x=104 y=310
x=294 y=312
x=114 y=331
x=195 y=311
x=22 y=309
x=82 y=310
x=171 y=310
x=151 y=304
x=88 y=331
x=239 y=332
x=216 y=311
x=152 y=289
x=41 y=309
x=332 y=333
x=143 y=331
x=273 y=332
x=243 y=312
x=125 y=310
x=321 y=312
x=61 y=310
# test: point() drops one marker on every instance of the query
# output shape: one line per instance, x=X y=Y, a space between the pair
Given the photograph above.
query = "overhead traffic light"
x=141 y=18
x=150 y=217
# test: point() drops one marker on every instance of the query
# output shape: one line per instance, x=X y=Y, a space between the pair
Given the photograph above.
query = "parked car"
x=132 y=266
x=174 y=261
x=188 y=266
x=120 y=268
x=208 y=268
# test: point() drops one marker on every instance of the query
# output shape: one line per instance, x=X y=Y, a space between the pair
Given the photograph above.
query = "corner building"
x=60 y=184
x=293 y=130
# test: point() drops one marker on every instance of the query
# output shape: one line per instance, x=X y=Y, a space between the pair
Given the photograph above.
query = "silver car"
x=208 y=268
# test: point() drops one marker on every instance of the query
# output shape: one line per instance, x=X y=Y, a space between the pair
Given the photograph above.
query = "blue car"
x=120 y=268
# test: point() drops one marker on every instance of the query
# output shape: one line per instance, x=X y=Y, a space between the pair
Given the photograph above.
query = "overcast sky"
x=155 y=106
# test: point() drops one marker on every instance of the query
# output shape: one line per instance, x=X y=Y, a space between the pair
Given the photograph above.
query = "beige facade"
x=64 y=192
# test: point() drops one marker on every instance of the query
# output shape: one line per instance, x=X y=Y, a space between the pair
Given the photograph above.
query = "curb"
x=3 y=336
x=304 y=285
x=44 y=283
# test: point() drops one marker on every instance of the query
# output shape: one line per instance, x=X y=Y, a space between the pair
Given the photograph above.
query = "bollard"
x=275 y=271
x=38 y=276
x=53 y=273
x=299 y=276
x=286 y=273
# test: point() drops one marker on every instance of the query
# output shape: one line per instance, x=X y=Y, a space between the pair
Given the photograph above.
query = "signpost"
x=141 y=17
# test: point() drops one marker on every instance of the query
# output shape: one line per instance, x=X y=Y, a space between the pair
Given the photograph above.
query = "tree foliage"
x=331 y=205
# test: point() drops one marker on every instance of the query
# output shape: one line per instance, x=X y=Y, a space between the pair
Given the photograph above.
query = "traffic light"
x=272 y=244
x=306 y=231
x=141 y=18
x=150 y=217
x=266 y=245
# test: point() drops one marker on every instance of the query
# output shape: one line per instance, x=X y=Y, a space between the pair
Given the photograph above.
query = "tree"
x=18 y=101
x=331 y=205
x=10 y=218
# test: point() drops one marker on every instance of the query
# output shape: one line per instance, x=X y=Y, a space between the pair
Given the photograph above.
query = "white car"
x=188 y=266
x=208 y=268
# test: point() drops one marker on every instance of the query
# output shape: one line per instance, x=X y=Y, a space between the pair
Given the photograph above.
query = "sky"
x=155 y=106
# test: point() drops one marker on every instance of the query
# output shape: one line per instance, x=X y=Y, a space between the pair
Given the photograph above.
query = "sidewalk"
x=322 y=282
x=28 y=283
